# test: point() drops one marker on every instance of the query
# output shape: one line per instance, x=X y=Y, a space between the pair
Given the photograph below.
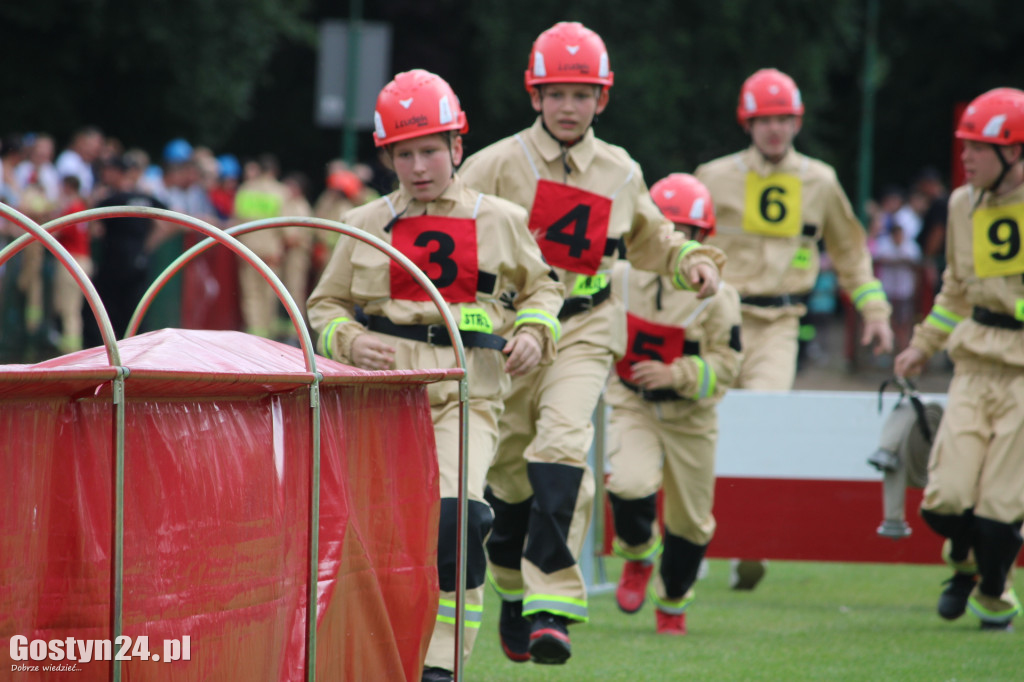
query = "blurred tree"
x=144 y=71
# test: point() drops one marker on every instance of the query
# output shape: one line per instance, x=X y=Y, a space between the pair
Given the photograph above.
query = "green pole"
x=867 y=113
x=349 y=141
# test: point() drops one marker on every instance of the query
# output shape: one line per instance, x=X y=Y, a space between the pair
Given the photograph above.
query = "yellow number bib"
x=997 y=241
x=773 y=205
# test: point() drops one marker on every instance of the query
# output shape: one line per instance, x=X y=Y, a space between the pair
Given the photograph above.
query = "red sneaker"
x=632 y=590
x=671 y=623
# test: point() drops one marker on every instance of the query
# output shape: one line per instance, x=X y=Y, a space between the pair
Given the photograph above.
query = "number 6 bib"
x=444 y=249
x=997 y=241
x=570 y=226
x=772 y=205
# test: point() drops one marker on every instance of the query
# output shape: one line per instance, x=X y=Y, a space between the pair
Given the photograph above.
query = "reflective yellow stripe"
x=574 y=609
x=1018 y=310
x=329 y=336
x=673 y=607
x=996 y=616
x=446 y=613
x=654 y=551
x=872 y=291
x=537 y=316
x=506 y=595
x=942 y=319
x=707 y=380
x=679 y=280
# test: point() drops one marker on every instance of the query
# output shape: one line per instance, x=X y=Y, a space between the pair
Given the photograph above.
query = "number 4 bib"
x=444 y=249
x=772 y=205
x=997 y=241
x=570 y=226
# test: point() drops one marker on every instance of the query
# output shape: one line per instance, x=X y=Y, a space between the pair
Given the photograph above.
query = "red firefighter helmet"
x=345 y=181
x=684 y=199
x=568 y=52
x=768 y=92
x=414 y=104
x=996 y=117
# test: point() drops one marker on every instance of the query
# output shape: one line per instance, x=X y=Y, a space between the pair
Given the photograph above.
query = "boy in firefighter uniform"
x=587 y=202
x=774 y=205
x=681 y=356
x=474 y=248
x=975 y=491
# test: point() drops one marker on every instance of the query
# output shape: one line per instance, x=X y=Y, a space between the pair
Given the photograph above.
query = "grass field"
x=806 y=621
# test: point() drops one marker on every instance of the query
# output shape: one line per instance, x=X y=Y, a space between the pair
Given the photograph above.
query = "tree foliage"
x=143 y=70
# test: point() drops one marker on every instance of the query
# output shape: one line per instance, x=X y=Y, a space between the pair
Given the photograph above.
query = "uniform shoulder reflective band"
x=446 y=613
x=647 y=555
x=574 y=609
x=679 y=280
x=706 y=379
x=674 y=608
x=871 y=291
x=329 y=336
x=538 y=316
x=942 y=319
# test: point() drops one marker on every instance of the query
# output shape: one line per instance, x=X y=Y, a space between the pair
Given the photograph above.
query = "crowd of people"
x=43 y=306
x=570 y=280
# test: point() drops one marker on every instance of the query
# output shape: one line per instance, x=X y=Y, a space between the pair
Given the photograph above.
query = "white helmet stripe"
x=697 y=210
x=539 y=69
x=444 y=111
x=378 y=126
x=994 y=126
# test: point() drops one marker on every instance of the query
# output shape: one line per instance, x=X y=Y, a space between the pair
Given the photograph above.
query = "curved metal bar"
x=42 y=233
x=117 y=397
x=460 y=352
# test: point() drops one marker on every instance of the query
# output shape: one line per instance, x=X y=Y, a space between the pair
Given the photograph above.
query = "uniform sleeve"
x=653 y=245
x=330 y=307
x=539 y=297
x=710 y=374
x=846 y=244
x=949 y=308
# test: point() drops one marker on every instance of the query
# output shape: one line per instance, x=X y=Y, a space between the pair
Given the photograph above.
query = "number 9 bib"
x=444 y=249
x=997 y=241
x=772 y=205
x=570 y=226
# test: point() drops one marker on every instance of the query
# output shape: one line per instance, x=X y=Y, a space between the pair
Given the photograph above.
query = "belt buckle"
x=434 y=329
x=588 y=302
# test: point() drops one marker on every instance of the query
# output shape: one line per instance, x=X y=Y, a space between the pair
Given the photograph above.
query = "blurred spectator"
x=78 y=158
x=259 y=197
x=222 y=194
x=38 y=168
x=67 y=296
x=298 y=244
x=124 y=248
x=932 y=237
x=897 y=259
x=344 y=191
x=910 y=214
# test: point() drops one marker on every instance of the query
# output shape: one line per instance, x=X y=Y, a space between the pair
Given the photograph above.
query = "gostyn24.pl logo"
x=70 y=651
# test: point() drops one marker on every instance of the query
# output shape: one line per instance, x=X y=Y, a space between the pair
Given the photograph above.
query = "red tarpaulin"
x=216 y=495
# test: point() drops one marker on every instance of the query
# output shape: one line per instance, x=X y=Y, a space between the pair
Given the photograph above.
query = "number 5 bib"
x=772 y=206
x=570 y=226
x=997 y=241
x=444 y=249
x=647 y=340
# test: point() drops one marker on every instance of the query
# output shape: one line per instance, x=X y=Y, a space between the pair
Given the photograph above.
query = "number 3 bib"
x=772 y=205
x=997 y=241
x=647 y=340
x=444 y=249
x=570 y=226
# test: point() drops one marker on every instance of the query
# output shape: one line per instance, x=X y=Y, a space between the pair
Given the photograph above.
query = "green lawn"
x=806 y=621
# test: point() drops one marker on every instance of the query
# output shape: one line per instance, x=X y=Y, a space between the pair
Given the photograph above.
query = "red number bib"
x=445 y=249
x=649 y=341
x=570 y=226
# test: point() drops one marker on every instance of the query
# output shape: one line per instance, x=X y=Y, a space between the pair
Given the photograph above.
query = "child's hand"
x=523 y=353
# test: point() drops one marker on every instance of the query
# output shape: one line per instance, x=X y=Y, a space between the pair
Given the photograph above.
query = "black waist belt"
x=581 y=304
x=654 y=395
x=434 y=334
x=776 y=301
x=992 y=319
